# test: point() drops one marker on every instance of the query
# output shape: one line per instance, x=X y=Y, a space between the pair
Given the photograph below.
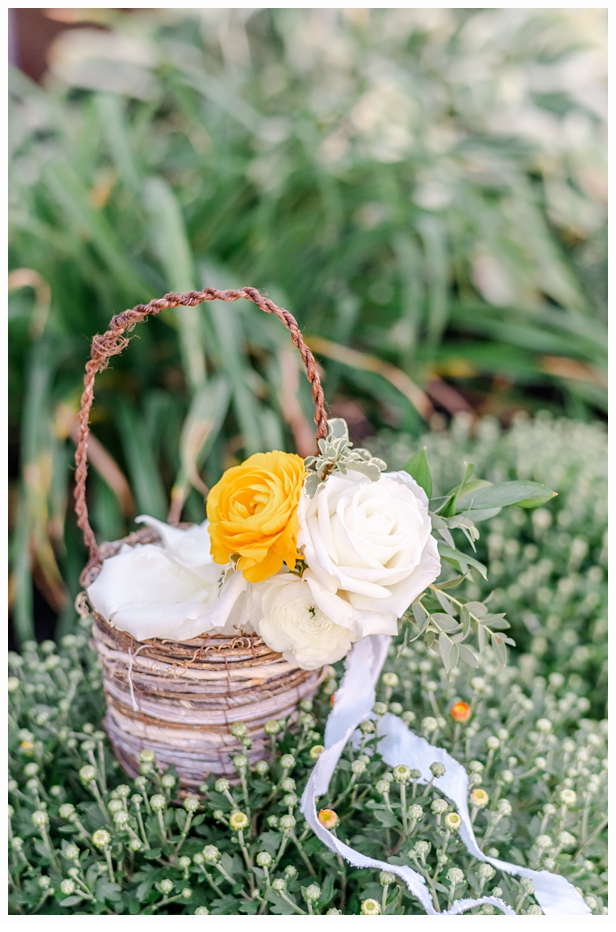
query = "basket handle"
x=114 y=341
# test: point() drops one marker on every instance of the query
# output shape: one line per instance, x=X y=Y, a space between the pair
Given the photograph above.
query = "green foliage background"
x=425 y=187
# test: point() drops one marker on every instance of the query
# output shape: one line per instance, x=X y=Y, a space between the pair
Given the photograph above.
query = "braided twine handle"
x=114 y=341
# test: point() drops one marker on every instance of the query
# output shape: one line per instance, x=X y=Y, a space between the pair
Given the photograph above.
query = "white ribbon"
x=398 y=745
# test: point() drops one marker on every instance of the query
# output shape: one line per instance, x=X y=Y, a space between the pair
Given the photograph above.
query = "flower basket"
x=182 y=698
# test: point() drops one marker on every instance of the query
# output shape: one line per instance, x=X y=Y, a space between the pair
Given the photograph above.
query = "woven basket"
x=180 y=698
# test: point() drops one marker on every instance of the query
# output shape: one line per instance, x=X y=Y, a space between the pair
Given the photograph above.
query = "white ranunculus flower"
x=370 y=548
x=169 y=589
x=286 y=615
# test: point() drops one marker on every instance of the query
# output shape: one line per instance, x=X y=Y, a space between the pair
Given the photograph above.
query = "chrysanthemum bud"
x=87 y=774
x=396 y=708
x=287 y=784
x=279 y=884
x=453 y=821
x=166 y=886
x=460 y=711
x=261 y=767
x=402 y=773
x=287 y=761
x=368 y=727
x=358 y=767
x=504 y=807
x=287 y=823
x=379 y=708
x=408 y=717
x=264 y=859
x=40 y=818
x=66 y=811
x=239 y=730
x=455 y=875
x=191 y=803
x=439 y=806
x=121 y=818
x=211 y=854
x=238 y=821
x=543 y=842
x=272 y=727
x=415 y=812
x=485 y=871
x=328 y=819
x=566 y=839
x=168 y=781
x=158 y=802
x=370 y=907
x=437 y=769
x=386 y=878
x=492 y=743
x=101 y=838
x=312 y=893
x=202 y=911
x=479 y=798
x=382 y=786
x=240 y=762
x=390 y=679
x=429 y=724
x=567 y=797
x=147 y=756
x=315 y=751
x=67 y=887
x=290 y=872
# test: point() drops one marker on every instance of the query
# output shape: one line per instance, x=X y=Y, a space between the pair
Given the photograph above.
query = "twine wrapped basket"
x=181 y=698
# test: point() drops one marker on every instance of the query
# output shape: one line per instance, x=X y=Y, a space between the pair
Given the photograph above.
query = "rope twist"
x=114 y=342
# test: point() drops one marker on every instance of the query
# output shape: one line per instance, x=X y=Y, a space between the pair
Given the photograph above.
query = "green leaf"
x=449 y=583
x=417 y=467
x=71 y=901
x=449 y=651
x=467 y=656
x=524 y=493
x=420 y=615
x=465 y=618
x=499 y=648
x=461 y=560
x=445 y=622
x=444 y=602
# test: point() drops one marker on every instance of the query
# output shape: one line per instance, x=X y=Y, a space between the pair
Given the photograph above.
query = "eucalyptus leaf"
x=467 y=656
x=524 y=493
x=461 y=560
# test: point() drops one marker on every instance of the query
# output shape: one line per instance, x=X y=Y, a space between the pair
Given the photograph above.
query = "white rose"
x=286 y=615
x=369 y=546
x=169 y=590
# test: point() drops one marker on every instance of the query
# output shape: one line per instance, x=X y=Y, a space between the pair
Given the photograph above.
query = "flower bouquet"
x=209 y=634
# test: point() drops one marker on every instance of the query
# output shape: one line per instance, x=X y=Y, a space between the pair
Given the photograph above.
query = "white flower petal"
x=290 y=621
x=167 y=590
x=369 y=549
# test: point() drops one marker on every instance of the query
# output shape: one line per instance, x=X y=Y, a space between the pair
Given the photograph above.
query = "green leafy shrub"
x=528 y=743
x=86 y=839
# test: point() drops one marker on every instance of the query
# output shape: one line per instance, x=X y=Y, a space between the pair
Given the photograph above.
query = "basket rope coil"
x=181 y=698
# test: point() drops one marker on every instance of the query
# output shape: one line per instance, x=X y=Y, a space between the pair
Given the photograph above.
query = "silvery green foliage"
x=338 y=455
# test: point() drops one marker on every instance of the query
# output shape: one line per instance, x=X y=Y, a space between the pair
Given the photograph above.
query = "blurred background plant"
x=424 y=189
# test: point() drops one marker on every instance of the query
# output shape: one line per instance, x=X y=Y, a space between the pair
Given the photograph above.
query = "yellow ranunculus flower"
x=253 y=512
